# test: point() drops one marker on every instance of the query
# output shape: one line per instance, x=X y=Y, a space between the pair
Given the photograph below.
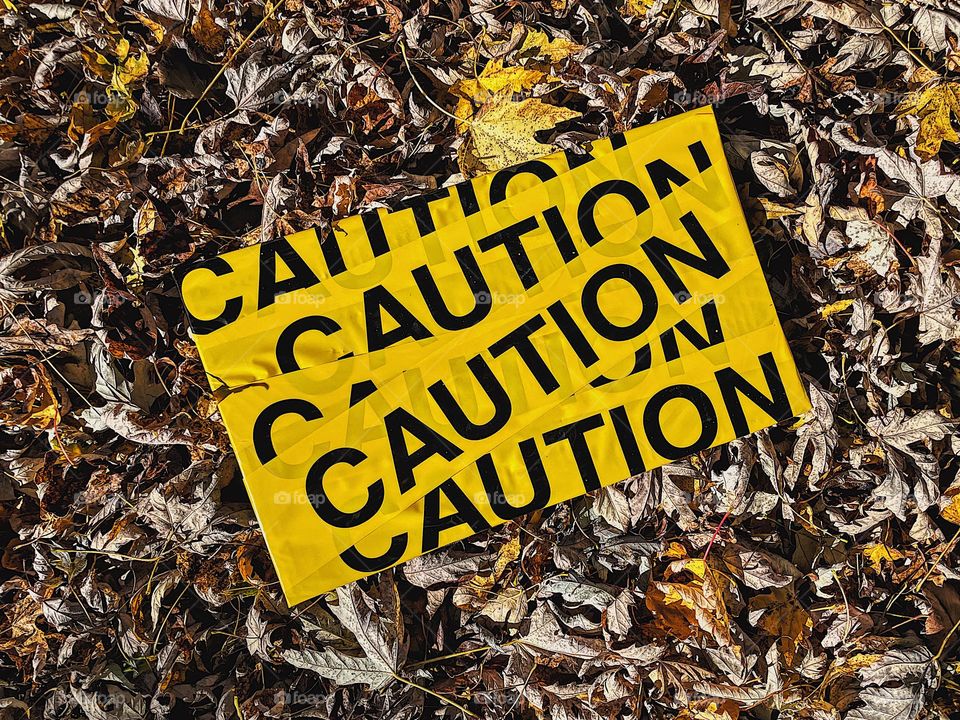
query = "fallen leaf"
x=935 y=107
x=501 y=133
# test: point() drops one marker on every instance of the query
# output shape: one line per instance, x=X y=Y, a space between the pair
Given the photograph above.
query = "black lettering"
x=356 y=560
x=572 y=332
x=590 y=301
x=509 y=237
x=499 y=503
x=561 y=234
x=379 y=298
x=465 y=427
x=468 y=198
x=420 y=205
x=777 y=406
x=654 y=430
x=270 y=287
x=575 y=434
x=321 y=503
x=231 y=309
x=641 y=362
x=396 y=422
x=332 y=255
x=465 y=512
x=438 y=306
x=375 y=234
x=662 y=174
x=668 y=338
x=286 y=359
x=588 y=205
x=519 y=340
x=700 y=156
x=627 y=440
x=498 y=186
x=709 y=262
x=263 y=426
x=361 y=391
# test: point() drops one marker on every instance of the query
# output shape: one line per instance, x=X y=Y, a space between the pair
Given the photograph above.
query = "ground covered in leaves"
x=810 y=571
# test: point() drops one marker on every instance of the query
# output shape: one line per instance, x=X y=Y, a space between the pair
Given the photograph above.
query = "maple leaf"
x=780 y=615
x=697 y=607
x=877 y=554
x=501 y=133
x=495 y=79
x=537 y=44
x=934 y=107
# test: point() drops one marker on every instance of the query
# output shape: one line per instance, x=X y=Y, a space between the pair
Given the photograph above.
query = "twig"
x=936 y=562
x=271 y=10
x=441 y=658
x=406 y=61
x=901 y=43
x=438 y=696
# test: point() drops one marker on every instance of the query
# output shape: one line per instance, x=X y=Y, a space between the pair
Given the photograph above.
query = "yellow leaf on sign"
x=934 y=108
x=501 y=133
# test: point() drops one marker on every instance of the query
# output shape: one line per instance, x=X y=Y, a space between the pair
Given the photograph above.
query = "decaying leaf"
x=935 y=107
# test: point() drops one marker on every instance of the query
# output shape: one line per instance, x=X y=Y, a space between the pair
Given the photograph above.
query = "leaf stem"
x=272 y=9
x=438 y=696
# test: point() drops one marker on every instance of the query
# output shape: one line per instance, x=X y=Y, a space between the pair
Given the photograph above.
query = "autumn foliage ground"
x=135 y=582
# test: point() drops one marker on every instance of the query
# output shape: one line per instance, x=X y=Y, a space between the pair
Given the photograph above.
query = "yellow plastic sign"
x=421 y=375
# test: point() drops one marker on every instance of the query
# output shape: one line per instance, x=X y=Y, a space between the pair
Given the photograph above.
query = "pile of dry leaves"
x=810 y=571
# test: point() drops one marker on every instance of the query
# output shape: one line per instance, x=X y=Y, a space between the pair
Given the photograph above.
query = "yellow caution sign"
x=421 y=375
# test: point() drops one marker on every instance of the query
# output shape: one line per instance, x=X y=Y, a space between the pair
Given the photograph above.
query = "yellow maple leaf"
x=637 y=8
x=501 y=133
x=495 y=79
x=537 y=44
x=133 y=68
x=878 y=553
x=785 y=618
x=835 y=307
x=951 y=511
x=934 y=107
x=697 y=606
